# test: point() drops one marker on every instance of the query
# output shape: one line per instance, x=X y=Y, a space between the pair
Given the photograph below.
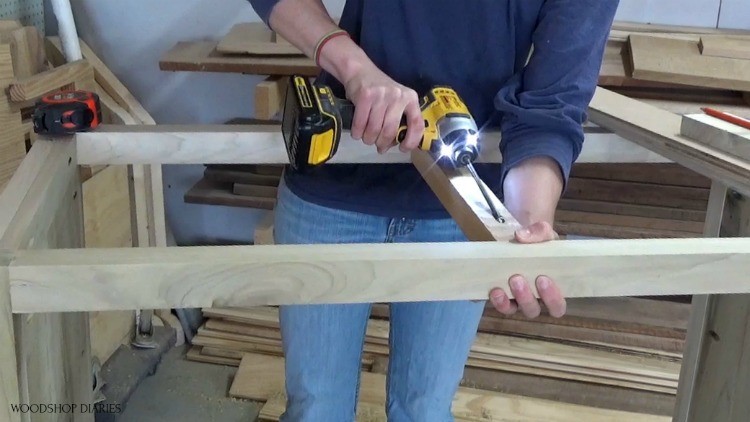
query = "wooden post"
x=43 y=209
x=8 y=374
x=713 y=383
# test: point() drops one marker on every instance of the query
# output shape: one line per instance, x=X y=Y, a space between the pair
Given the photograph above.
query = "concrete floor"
x=186 y=391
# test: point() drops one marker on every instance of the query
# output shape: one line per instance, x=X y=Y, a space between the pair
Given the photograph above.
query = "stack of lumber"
x=625 y=352
x=251 y=186
x=633 y=200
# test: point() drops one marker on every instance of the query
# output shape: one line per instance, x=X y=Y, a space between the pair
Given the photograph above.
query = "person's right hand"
x=380 y=103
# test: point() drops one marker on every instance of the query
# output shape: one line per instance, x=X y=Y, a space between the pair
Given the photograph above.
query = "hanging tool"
x=314 y=118
x=67 y=112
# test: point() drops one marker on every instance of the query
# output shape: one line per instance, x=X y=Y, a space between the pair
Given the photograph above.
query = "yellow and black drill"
x=313 y=120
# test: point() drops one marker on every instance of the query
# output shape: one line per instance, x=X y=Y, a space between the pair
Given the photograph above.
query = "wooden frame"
x=42 y=271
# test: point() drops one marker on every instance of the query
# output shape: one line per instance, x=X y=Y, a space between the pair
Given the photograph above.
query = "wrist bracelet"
x=329 y=36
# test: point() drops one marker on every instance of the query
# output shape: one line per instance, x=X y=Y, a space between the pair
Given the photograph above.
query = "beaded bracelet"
x=329 y=36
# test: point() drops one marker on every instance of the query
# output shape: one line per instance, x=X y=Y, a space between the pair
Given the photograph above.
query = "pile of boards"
x=605 y=355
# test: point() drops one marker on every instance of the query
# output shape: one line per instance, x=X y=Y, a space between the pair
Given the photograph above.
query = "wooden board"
x=202 y=56
x=256 y=39
x=264 y=144
x=53 y=349
x=716 y=133
x=680 y=61
x=204 y=276
x=469 y=404
x=658 y=130
x=725 y=46
x=217 y=193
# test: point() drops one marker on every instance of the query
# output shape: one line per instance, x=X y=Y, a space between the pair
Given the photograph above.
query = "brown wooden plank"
x=680 y=61
x=563 y=216
x=254 y=38
x=630 y=209
x=245 y=173
x=725 y=46
x=255 y=191
x=214 y=193
x=201 y=56
x=669 y=174
x=637 y=193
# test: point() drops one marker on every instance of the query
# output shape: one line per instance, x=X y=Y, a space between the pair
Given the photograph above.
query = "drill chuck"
x=460 y=141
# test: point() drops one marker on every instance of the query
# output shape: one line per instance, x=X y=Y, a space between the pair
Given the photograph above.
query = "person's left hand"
x=549 y=292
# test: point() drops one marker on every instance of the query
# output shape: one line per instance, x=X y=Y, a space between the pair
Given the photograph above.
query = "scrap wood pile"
x=619 y=354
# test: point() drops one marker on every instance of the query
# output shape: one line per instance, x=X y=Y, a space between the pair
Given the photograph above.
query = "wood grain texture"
x=202 y=56
x=659 y=131
x=269 y=97
x=729 y=46
x=462 y=198
x=713 y=384
x=680 y=61
x=716 y=133
x=53 y=349
x=469 y=404
x=254 y=38
x=112 y=279
x=264 y=144
x=33 y=87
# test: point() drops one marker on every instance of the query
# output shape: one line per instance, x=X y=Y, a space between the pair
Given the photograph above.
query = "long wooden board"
x=680 y=61
x=264 y=144
x=716 y=133
x=206 y=276
x=659 y=131
x=255 y=38
x=733 y=47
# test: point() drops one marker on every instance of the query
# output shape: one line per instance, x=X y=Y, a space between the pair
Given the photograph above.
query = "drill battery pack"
x=312 y=123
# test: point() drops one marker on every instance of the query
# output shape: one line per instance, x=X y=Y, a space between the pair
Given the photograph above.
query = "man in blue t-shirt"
x=389 y=53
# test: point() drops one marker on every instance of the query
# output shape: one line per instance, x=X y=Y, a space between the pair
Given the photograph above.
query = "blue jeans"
x=429 y=341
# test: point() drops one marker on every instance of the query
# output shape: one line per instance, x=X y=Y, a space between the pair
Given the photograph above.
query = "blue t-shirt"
x=482 y=49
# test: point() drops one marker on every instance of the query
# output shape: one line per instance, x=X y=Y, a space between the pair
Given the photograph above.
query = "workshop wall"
x=132 y=38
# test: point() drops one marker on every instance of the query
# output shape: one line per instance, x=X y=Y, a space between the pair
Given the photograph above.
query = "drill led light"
x=445 y=150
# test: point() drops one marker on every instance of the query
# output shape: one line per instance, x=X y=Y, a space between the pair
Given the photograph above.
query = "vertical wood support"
x=52 y=349
x=8 y=370
x=713 y=383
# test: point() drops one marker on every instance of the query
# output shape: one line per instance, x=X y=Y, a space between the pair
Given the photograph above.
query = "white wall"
x=131 y=36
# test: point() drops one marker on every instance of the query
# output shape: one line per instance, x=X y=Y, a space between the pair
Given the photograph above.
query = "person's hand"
x=549 y=292
x=380 y=103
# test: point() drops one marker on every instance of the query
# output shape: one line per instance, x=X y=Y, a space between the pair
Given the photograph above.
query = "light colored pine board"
x=658 y=130
x=53 y=349
x=264 y=144
x=33 y=87
x=680 y=61
x=713 y=384
x=254 y=38
x=716 y=133
x=620 y=25
x=269 y=96
x=194 y=354
x=8 y=369
x=205 y=276
x=725 y=46
x=460 y=195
